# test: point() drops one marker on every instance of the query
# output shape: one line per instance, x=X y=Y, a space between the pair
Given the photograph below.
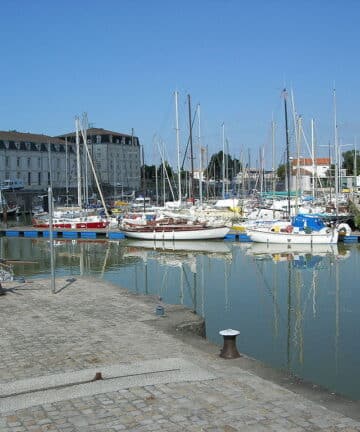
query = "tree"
x=169 y=170
x=348 y=162
x=215 y=167
x=150 y=172
x=281 y=172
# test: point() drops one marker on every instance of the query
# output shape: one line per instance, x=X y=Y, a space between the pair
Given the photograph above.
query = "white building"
x=116 y=157
x=305 y=172
x=34 y=158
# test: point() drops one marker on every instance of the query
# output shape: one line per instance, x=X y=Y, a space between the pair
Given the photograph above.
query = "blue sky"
x=121 y=61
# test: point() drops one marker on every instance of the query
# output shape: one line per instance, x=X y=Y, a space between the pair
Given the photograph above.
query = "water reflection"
x=295 y=306
x=293 y=252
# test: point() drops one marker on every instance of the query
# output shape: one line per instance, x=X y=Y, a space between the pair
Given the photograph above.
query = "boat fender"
x=289 y=229
x=344 y=229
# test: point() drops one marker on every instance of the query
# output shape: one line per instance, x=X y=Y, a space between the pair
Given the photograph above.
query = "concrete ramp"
x=54 y=388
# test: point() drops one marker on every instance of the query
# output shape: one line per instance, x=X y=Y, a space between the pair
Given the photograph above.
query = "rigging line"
x=188 y=284
x=307 y=298
x=163 y=280
x=269 y=289
x=188 y=141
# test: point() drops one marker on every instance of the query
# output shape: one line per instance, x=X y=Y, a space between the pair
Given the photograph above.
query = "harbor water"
x=296 y=309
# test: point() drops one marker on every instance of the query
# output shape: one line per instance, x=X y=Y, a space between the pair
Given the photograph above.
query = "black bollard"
x=229 y=350
x=98 y=376
x=2 y=291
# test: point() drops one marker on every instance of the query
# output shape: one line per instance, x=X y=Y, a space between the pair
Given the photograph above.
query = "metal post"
x=52 y=260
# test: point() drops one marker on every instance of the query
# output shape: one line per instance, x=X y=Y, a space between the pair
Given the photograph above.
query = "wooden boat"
x=170 y=229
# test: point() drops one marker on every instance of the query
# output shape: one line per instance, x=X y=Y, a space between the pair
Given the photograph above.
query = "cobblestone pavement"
x=90 y=324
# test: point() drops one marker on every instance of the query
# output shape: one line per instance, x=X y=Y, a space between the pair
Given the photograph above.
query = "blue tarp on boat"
x=302 y=221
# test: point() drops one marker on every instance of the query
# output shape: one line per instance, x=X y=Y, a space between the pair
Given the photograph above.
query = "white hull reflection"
x=306 y=254
x=191 y=246
x=276 y=248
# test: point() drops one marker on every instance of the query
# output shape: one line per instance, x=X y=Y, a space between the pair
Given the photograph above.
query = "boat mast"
x=84 y=136
x=83 y=130
x=287 y=152
x=191 y=188
x=298 y=178
x=200 y=157
x=223 y=160
x=178 y=144
x=336 y=157
x=313 y=157
x=66 y=172
x=143 y=172
x=273 y=157
x=78 y=166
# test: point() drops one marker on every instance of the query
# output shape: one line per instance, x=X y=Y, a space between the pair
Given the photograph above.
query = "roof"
x=96 y=131
x=29 y=137
x=309 y=161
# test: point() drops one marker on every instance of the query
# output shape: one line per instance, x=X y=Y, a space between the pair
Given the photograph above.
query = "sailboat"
x=79 y=218
x=302 y=229
x=160 y=230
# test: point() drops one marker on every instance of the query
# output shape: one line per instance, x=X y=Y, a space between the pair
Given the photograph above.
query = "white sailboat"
x=303 y=229
x=174 y=232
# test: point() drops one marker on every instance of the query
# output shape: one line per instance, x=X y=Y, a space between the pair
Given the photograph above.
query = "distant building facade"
x=308 y=172
x=116 y=157
x=35 y=159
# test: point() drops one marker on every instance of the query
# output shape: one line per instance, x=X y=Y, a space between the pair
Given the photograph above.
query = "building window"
x=39 y=178
x=29 y=163
x=39 y=162
x=18 y=162
x=48 y=177
x=29 y=178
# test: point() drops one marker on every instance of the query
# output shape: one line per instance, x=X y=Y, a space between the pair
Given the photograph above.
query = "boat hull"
x=159 y=234
x=329 y=236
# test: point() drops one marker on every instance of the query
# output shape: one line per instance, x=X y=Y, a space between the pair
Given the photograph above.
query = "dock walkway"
x=158 y=373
